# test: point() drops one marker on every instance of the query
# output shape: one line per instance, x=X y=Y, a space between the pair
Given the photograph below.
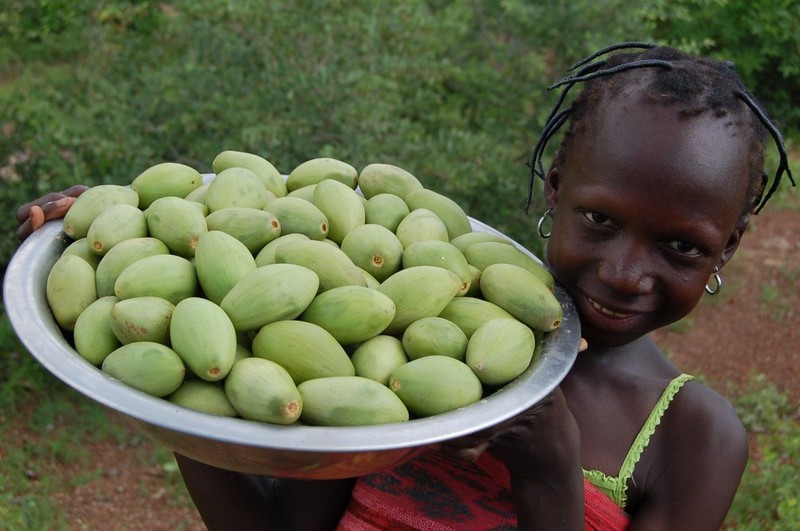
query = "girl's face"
x=645 y=205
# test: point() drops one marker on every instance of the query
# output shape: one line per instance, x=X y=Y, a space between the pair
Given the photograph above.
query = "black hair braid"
x=695 y=84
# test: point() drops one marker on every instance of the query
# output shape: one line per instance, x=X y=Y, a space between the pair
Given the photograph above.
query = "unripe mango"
x=116 y=224
x=254 y=228
x=341 y=205
x=471 y=312
x=435 y=384
x=203 y=336
x=465 y=240
x=500 y=350
x=417 y=292
x=142 y=319
x=93 y=336
x=221 y=261
x=377 y=357
x=177 y=223
x=82 y=249
x=351 y=314
x=167 y=276
x=298 y=215
x=523 y=295
x=91 y=203
x=203 y=396
x=70 y=289
x=439 y=254
x=420 y=225
x=375 y=249
x=269 y=175
x=483 y=254
x=316 y=170
x=380 y=178
x=266 y=255
x=450 y=212
x=262 y=390
x=149 y=367
x=163 y=180
x=236 y=187
x=349 y=401
x=333 y=267
x=432 y=336
x=121 y=256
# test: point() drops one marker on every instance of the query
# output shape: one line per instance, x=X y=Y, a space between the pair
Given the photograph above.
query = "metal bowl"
x=298 y=451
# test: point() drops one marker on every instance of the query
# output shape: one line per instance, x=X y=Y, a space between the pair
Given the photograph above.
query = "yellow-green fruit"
x=420 y=225
x=142 y=319
x=341 y=205
x=203 y=396
x=435 y=384
x=203 y=336
x=81 y=249
x=523 y=295
x=164 y=180
x=314 y=171
x=152 y=368
x=298 y=215
x=70 y=289
x=306 y=193
x=198 y=195
x=450 y=212
x=304 y=349
x=269 y=175
x=417 y=292
x=121 y=256
x=471 y=312
x=116 y=224
x=375 y=249
x=434 y=336
x=380 y=178
x=266 y=255
x=387 y=210
x=439 y=254
x=236 y=187
x=465 y=240
x=333 y=267
x=377 y=357
x=93 y=336
x=91 y=203
x=254 y=228
x=483 y=254
x=349 y=401
x=221 y=261
x=351 y=314
x=167 y=276
x=177 y=223
x=262 y=390
x=371 y=281
x=500 y=350
x=270 y=293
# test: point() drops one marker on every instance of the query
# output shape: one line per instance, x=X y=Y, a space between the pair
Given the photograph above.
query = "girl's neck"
x=640 y=355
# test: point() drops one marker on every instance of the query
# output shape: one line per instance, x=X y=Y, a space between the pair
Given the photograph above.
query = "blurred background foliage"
x=452 y=90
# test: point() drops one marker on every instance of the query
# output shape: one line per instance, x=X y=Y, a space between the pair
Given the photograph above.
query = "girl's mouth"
x=606 y=311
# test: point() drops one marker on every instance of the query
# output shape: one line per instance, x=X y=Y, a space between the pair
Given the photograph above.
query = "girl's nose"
x=625 y=269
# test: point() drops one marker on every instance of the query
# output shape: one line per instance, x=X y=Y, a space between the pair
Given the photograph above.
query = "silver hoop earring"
x=540 y=225
x=713 y=290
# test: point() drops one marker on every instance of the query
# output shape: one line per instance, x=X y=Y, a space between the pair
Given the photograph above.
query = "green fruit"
x=349 y=401
x=254 y=228
x=164 y=180
x=166 y=276
x=417 y=292
x=203 y=336
x=468 y=313
x=198 y=195
x=450 y=212
x=298 y=215
x=70 y=289
x=439 y=254
x=523 y=295
x=262 y=390
x=269 y=175
x=304 y=349
x=203 y=396
x=333 y=267
x=432 y=336
x=121 y=256
x=500 y=350
x=82 y=249
x=377 y=357
x=375 y=249
x=341 y=205
x=266 y=255
x=435 y=384
x=236 y=187
x=177 y=223
x=149 y=367
x=378 y=178
x=465 y=240
x=221 y=261
x=270 y=293
x=305 y=193
x=351 y=314
x=93 y=336
x=420 y=225
x=91 y=203
x=314 y=171
x=142 y=319
x=116 y=224
x=483 y=254
x=387 y=210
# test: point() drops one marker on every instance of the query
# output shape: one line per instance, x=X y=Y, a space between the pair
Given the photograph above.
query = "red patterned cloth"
x=437 y=493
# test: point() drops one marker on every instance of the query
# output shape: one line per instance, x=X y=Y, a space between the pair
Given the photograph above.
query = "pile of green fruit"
x=329 y=296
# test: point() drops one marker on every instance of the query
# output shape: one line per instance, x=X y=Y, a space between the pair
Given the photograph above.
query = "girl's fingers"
x=38 y=213
x=24 y=230
x=56 y=209
x=23 y=212
x=37 y=217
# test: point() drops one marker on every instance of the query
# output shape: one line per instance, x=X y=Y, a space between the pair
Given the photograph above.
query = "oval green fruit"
x=375 y=249
x=469 y=313
x=349 y=401
x=500 y=350
x=450 y=212
x=91 y=203
x=432 y=336
x=523 y=295
x=439 y=254
x=121 y=256
x=484 y=254
x=168 y=276
x=203 y=336
x=82 y=249
x=164 y=180
x=269 y=175
x=70 y=289
x=351 y=314
x=465 y=240
x=236 y=187
x=221 y=261
x=435 y=384
x=333 y=267
x=93 y=336
x=203 y=396
x=176 y=222
x=254 y=228
x=341 y=205
x=262 y=390
x=417 y=292
x=149 y=367
x=116 y=224
x=420 y=225
x=316 y=170
x=387 y=210
x=378 y=178
x=266 y=255
x=298 y=215
x=142 y=319
x=377 y=357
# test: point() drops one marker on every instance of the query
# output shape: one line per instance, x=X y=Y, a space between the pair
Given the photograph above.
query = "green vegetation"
x=452 y=90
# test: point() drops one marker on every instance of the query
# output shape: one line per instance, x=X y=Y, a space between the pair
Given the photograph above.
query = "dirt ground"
x=752 y=327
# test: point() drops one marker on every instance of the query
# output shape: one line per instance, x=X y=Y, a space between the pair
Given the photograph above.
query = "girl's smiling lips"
x=608 y=312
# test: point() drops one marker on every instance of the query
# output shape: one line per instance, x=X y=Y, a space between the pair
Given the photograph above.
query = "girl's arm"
x=232 y=500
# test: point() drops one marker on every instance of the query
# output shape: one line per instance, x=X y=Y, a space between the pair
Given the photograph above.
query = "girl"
x=648 y=197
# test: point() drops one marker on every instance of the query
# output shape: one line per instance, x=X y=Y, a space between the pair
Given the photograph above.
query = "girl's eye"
x=597 y=218
x=684 y=248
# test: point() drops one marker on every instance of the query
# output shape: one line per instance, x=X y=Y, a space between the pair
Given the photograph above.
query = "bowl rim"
x=24 y=292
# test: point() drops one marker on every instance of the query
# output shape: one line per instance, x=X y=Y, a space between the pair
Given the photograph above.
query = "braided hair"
x=694 y=84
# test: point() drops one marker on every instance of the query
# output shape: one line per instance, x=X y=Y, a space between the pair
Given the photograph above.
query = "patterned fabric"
x=616 y=487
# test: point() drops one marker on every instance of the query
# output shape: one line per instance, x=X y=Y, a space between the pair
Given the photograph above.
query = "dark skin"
x=644 y=208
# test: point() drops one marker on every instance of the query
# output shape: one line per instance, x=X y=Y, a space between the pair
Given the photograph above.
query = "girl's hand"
x=33 y=215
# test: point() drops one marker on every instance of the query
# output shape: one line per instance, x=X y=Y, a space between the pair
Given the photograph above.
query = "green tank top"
x=616 y=487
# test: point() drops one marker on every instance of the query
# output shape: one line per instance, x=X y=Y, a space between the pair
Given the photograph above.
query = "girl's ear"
x=734 y=240
x=552 y=185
